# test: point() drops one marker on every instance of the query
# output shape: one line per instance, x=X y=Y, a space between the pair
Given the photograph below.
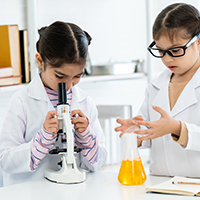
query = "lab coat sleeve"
x=15 y=152
x=95 y=128
x=193 y=137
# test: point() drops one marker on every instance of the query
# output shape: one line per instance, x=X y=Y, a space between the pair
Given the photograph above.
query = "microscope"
x=68 y=173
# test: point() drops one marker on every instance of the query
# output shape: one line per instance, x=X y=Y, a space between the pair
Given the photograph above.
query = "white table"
x=101 y=185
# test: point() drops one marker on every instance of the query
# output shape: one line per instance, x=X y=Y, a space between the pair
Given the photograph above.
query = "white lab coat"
x=26 y=113
x=168 y=157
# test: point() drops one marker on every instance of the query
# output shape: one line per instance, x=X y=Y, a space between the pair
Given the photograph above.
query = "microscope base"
x=69 y=173
x=64 y=178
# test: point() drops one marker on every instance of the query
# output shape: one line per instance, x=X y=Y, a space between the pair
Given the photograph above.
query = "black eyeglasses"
x=174 y=52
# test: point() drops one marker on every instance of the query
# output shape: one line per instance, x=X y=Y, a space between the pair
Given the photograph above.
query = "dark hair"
x=176 y=17
x=63 y=42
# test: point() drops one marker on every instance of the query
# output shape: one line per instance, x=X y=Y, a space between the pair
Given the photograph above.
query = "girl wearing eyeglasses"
x=169 y=118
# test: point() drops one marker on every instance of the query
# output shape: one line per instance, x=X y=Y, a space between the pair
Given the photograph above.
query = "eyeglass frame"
x=193 y=40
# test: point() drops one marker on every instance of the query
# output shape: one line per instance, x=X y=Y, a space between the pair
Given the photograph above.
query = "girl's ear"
x=39 y=60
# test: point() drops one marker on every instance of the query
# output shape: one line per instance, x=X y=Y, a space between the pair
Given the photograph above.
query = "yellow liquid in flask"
x=132 y=172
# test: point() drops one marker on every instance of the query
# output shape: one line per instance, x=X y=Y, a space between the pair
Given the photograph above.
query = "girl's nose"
x=168 y=58
x=69 y=84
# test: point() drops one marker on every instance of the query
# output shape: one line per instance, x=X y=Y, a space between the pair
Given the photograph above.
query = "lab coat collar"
x=37 y=91
x=161 y=83
x=78 y=94
x=186 y=98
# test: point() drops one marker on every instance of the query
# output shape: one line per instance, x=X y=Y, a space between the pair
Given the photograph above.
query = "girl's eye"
x=60 y=77
x=78 y=76
x=175 y=50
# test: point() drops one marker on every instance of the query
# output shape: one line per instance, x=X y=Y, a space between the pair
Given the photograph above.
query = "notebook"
x=181 y=189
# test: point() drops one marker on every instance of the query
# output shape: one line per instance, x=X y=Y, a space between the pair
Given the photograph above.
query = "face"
x=68 y=73
x=183 y=65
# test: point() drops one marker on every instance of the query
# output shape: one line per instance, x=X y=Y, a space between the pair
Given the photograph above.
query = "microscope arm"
x=67 y=127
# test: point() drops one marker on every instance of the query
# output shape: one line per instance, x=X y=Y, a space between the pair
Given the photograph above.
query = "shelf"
x=12 y=87
x=111 y=77
x=87 y=79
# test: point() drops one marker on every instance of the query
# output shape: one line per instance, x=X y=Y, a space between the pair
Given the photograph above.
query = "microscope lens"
x=62 y=95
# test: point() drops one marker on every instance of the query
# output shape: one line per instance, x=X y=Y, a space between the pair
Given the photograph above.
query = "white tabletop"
x=101 y=185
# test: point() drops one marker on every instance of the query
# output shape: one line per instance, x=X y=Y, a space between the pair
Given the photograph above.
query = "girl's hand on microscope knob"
x=51 y=123
x=126 y=123
x=80 y=122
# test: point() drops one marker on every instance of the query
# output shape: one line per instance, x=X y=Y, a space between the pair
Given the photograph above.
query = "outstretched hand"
x=165 y=125
x=126 y=123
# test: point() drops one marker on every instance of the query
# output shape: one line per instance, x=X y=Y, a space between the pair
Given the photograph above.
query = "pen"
x=187 y=183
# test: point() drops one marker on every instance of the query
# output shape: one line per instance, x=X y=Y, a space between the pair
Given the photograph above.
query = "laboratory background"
x=119 y=65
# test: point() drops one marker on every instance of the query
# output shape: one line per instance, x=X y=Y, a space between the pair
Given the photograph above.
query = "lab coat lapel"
x=162 y=97
x=37 y=91
x=188 y=96
x=78 y=95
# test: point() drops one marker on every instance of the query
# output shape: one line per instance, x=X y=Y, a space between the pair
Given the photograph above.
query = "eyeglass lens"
x=175 y=52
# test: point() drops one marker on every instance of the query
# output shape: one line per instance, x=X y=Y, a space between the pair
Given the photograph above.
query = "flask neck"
x=130 y=147
x=130 y=140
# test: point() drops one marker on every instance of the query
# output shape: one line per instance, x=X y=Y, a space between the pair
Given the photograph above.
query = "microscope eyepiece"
x=62 y=93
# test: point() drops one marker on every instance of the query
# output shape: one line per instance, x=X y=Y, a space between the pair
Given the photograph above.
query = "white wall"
x=118 y=28
x=13 y=12
x=113 y=25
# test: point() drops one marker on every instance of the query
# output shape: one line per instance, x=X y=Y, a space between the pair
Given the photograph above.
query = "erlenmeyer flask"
x=131 y=171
